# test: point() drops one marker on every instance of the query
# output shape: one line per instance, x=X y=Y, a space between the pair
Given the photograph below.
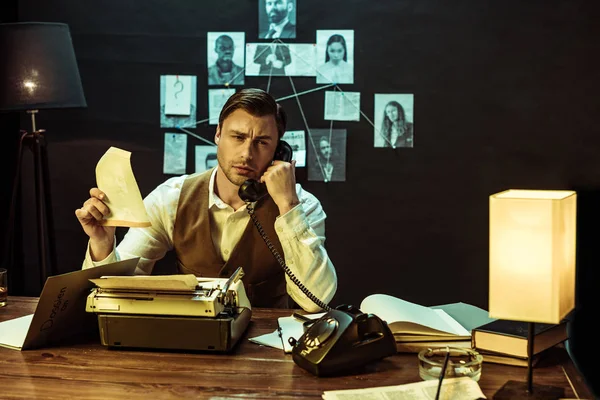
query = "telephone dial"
x=344 y=338
x=341 y=341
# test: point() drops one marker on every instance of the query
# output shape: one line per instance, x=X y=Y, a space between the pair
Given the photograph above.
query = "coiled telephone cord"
x=281 y=261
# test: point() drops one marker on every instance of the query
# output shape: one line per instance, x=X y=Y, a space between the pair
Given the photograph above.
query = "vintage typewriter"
x=177 y=312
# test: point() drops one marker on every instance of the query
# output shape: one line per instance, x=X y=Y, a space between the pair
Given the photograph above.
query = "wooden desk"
x=91 y=371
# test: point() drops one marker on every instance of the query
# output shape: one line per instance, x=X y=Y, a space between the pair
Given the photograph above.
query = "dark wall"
x=9 y=128
x=506 y=96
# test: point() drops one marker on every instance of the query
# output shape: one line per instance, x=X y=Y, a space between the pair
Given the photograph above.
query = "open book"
x=412 y=322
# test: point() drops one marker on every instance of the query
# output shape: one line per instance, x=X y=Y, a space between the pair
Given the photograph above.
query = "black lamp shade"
x=38 y=69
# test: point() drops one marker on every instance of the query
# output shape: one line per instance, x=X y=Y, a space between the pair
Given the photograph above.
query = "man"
x=225 y=71
x=202 y=218
x=326 y=164
x=272 y=58
x=280 y=27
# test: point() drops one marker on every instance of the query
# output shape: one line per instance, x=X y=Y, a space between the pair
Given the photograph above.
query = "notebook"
x=60 y=312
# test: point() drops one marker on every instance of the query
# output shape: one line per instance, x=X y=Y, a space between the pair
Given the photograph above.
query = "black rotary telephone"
x=344 y=338
x=253 y=190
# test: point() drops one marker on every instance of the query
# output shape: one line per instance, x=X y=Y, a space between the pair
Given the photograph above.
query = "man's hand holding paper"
x=122 y=195
x=116 y=201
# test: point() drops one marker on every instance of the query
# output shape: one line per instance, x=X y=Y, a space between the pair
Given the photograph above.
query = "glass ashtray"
x=461 y=362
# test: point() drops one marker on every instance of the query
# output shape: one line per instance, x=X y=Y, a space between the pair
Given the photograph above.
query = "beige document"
x=115 y=178
x=462 y=388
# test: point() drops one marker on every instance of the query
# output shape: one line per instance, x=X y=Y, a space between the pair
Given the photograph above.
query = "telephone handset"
x=253 y=190
x=343 y=338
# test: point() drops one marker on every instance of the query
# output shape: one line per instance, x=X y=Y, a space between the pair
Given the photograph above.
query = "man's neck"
x=225 y=66
x=227 y=191
x=280 y=25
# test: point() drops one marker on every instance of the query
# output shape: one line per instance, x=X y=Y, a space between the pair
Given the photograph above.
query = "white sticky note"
x=178 y=94
x=175 y=156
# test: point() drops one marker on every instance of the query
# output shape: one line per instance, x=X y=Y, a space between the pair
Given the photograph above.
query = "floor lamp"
x=38 y=71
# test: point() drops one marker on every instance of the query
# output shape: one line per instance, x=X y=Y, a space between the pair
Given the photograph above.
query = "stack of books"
x=505 y=342
x=417 y=327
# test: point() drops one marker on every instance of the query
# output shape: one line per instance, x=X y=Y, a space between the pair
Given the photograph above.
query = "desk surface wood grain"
x=88 y=370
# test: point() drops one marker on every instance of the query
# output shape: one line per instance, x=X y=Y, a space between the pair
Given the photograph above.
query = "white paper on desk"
x=287 y=327
x=269 y=339
x=291 y=327
x=115 y=178
x=463 y=388
x=13 y=332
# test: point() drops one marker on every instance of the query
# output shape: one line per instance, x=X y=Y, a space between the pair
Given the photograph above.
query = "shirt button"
x=226 y=251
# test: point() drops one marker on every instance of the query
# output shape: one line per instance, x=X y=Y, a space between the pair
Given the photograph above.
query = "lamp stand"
x=527 y=390
x=36 y=141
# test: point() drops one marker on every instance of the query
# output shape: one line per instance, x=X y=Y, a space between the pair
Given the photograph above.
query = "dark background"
x=506 y=96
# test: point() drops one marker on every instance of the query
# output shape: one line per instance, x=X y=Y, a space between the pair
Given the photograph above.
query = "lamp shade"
x=532 y=255
x=39 y=69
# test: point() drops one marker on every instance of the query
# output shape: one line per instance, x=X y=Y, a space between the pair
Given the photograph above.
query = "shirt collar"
x=213 y=199
x=279 y=27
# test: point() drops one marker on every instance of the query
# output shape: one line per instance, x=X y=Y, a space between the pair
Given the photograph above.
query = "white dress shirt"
x=331 y=73
x=301 y=232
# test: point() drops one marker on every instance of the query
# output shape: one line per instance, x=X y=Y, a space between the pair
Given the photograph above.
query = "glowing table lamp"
x=532 y=267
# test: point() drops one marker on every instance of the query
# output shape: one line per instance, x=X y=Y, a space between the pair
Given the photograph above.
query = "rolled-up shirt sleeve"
x=301 y=232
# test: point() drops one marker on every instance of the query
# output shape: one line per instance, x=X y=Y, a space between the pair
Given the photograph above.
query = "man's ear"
x=290 y=7
x=218 y=134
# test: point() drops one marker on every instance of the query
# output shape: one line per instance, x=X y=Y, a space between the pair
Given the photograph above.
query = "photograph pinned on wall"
x=326 y=155
x=225 y=58
x=171 y=87
x=267 y=59
x=174 y=159
x=394 y=120
x=216 y=100
x=297 y=140
x=342 y=106
x=206 y=157
x=277 y=19
x=335 y=56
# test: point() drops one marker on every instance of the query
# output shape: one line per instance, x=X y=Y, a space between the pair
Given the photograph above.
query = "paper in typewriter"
x=115 y=178
x=148 y=282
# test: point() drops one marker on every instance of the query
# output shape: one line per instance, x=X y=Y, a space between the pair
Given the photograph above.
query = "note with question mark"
x=178 y=94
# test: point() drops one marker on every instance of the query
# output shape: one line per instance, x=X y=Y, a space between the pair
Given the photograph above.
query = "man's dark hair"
x=258 y=103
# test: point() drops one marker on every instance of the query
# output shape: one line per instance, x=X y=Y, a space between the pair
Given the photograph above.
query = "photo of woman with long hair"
x=395 y=129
